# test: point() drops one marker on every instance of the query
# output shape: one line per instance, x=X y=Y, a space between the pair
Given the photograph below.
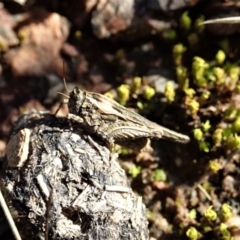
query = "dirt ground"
x=190 y=191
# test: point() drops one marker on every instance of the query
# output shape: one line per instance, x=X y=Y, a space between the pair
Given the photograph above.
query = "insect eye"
x=75 y=90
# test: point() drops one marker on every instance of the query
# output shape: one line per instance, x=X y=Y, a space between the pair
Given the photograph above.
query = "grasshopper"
x=115 y=123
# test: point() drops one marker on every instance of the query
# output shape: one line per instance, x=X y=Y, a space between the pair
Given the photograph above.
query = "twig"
x=9 y=217
x=204 y=192
x=47 y=214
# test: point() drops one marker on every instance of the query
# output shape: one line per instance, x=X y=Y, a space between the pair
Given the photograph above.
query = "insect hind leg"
x=75 y=118
x=137 y=145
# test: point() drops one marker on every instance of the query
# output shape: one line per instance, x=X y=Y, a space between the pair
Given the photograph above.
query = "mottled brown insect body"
x=114 y=123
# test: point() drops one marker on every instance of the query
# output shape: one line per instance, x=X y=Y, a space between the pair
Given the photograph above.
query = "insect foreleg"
x=64 y=101
x=75 y=118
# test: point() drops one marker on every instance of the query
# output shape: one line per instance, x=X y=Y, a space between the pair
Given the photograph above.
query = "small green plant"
x=169 y=92
x=218 y=136
x=226 y=211
x=178 y=51
x=192 y=106
x=198 y=134
x=192 y=214
x=204 y=96
x=123 y=93
x=135 y=171
x=159 y=175
x=204 y=146
x=236 y=125
x=233 y=142
x=190 y=92
x=185 y=21
x=219 y=73
x=148 y=92
x=206 y=126
x=210 y=214
x=220 y=57
x=225 y=234
x=182 y=78
x=214 y=166
x=192 y=233
x=136 y=85
x=199 y=66
x=170 y=34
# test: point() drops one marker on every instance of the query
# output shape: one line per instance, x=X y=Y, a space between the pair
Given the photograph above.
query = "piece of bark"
x=61 y=183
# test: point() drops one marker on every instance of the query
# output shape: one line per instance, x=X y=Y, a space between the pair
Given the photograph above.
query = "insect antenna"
x=64 y=79
x=65 y=101
x=225 y=20
x=65 y=85
x=65 y=95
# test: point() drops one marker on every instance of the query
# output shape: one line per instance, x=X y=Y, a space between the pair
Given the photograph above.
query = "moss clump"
x=210 y=214
x=192 y=233
x=169 y=92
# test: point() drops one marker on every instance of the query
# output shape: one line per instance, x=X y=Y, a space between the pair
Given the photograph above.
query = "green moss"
x=204 y=97
x=159 y=175
x=135 y=171
x=233 y=142
x=182 y=78
x=226 y=211
x=214 y=166
x=198 y=134
x=220 y=75
x=199 y=66
x=148 y=92
x=225 y=234
x=236 y=125
x=178 y=51
x=210 y=214
x=170 y=34
x=190 y=92
x=193 y=106
x=218 y=136
x=123 y=93
x=169 y=92
x=192 y=214
x=185 y=21
x=204 y=146
x=192 y=233
x=206 y=126
x=220 y=57
x=136 y=85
